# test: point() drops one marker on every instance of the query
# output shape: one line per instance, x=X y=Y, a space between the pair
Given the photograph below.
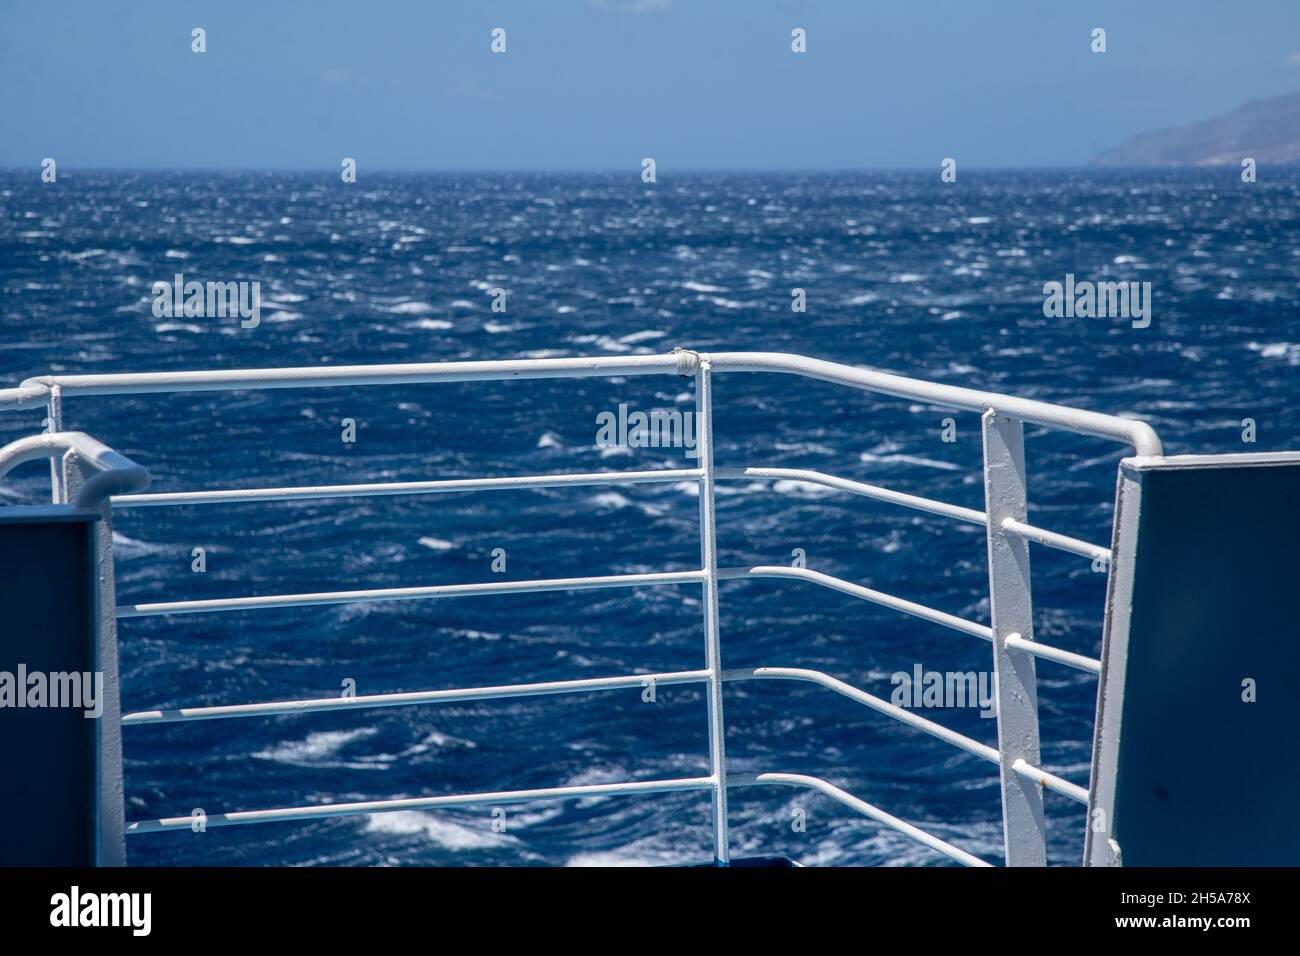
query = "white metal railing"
x=1005 y=519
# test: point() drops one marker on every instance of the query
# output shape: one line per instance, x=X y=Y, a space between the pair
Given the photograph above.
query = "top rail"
x=140 y=383
x=35 y=391
x=1129 y=431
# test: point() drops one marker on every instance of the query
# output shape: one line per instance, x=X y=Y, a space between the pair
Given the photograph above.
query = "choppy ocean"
x=901 y=272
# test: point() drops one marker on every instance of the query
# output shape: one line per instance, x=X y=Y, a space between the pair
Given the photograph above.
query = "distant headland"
x=1266 y=130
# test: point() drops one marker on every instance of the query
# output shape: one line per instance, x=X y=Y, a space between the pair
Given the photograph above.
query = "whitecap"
x=643 y=336
x=315 y=747
x=1283 y=350
x=126 y=547
x=801 y=489
x=440 y=830
x=908 y=460
x=603 y=341
x=632 y=855
x=410 y=307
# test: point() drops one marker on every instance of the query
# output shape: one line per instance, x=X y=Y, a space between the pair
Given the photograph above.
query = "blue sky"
x=598 y=84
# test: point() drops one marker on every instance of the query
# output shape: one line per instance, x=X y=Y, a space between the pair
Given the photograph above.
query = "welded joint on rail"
x=688 y=361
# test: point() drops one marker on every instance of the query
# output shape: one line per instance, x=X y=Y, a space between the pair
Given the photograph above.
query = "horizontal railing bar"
x=408 y=594
x=561 y=687
x=324 y=811
x=970 y=745
x=1051 y=781
x=1089 y=664
x=576 y=686
x=862 y=807
x=858 y=591
x=406 y=487
x=1138 y=434
x=859 y=488
x=140 y=383
x=1053 y=539
x=414 y=697
x=699 y=783
x=24 y=396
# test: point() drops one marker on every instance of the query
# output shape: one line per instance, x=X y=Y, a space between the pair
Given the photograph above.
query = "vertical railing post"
x=1011 y=608
x=712 y=648
x=54 y=423
x=110 y=839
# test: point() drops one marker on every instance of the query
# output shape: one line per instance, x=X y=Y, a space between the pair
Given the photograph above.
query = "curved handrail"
x=968 y=744
x=857 y=590
x=860 y=805
x=1130 y=431
x=856 y=694
x=1138 y=434
x=116 y=473
x=943 y=508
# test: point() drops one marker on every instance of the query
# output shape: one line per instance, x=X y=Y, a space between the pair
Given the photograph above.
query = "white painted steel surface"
x=712 y=646
x=901 y=714
x=108 y=472
x=323 y=811
x=1090 y=664
x=1140 y=435
x=407 y=594
x=1052 y=539
x=1004 y=519
x=969 y=515
x=858 y=591
x=444 y=486
x=866 y=809
x=410 y=698
x=1024 y=824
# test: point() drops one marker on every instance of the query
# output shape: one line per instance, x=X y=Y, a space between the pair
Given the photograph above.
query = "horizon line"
x=633 y=171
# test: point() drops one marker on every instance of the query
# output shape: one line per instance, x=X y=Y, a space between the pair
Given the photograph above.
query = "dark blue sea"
x=901 y=272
